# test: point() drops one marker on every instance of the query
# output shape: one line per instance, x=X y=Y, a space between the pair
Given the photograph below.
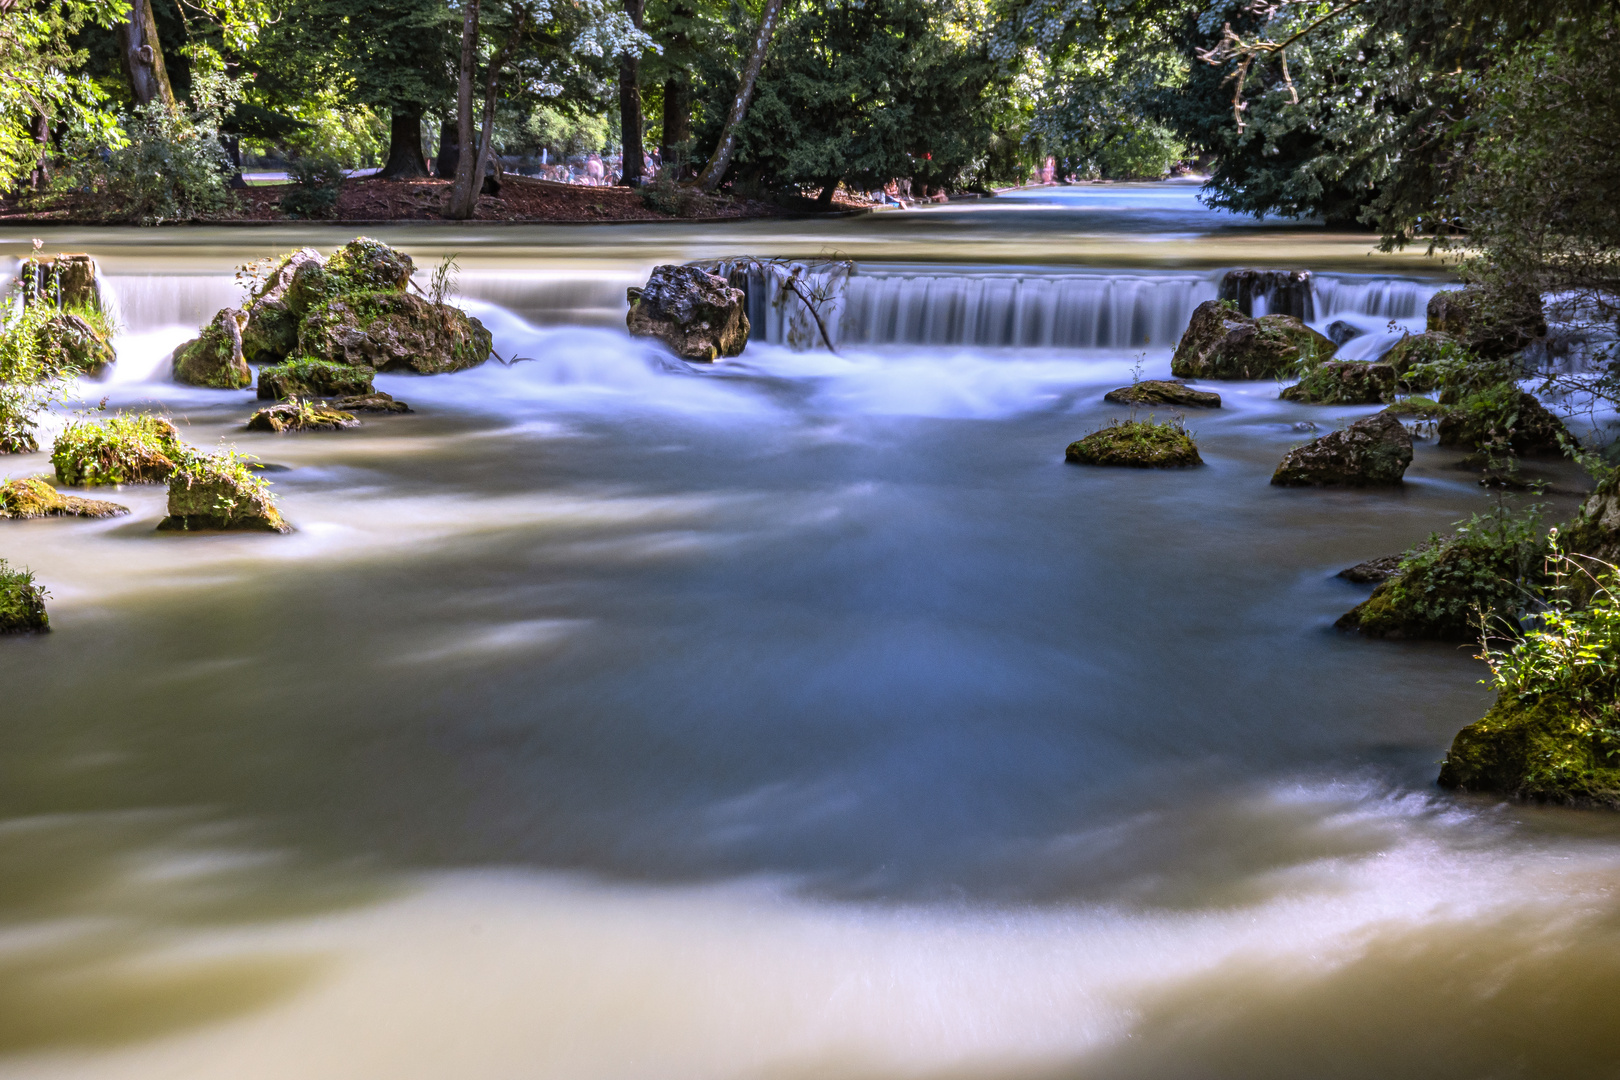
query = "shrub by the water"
x=317 y=183
x=125 y=449
x=32 y=373
x=171 y=168
x=22 y=602
x=1554 y=733
x=1145 y=444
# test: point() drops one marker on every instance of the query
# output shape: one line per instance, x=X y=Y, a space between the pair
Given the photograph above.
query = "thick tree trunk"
x=143 y=56
x=464 y=194
x=720 y=161
x=828 y=188
x=677 y=134
x=405 y=158
x=634 y=169
x=444 y=166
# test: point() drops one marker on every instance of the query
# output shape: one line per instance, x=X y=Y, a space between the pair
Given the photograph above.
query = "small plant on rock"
x=22 y=602
x=1143 y=444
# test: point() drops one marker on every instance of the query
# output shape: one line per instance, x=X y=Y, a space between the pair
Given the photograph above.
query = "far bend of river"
x=800 y=717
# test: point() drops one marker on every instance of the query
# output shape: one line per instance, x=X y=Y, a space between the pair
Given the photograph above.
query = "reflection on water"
x=800 y=716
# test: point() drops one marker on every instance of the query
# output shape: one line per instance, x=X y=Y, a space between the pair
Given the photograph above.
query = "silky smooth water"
x=799 y=716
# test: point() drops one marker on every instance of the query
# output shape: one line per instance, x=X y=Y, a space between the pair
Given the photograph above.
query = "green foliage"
x=1093 y=114
x=231 y=493
x=22 y=601
x=42 y=75
x=32 y=375
x=567 y=134
x=122 y=449
x=318 y=181
x=665 y=196
x=171 y=168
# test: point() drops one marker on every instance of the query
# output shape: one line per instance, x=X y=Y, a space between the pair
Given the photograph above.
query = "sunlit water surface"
x=802 y=716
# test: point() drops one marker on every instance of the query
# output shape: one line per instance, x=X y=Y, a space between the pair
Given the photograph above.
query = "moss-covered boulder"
x=395 y=332
x=1139 y=444
x=67 y=281
x=118 y=450
x=697 y=314
x=1223 y=343
x=1500 y=418
x=1164 y=392
x=1374 y=451
x=1419 y=408
x=1414 y=350
x=214 y=358
x=1595 y=532
x=34 y=497
x=1492 y=323
x=22 y=602
x=219 y=492
x=1345 y=382
x=299 y=415
x=77 y=342
x=314 y=378
x=271 y=331
x=1544 y=749
x=1440 y=586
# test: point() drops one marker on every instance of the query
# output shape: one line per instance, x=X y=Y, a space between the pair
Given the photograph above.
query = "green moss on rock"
x=79 y=342
x=34 y=497
x=1164 y=392
x=124 y=449
x=299 y=415
x=1141 y=444
x=22 y=602
x=214 y=358
x=1372 y=452
x=1345 y=382
x=219 y=491
x=1543 y=750
x=1492 y=324
x=395 y=332
x=1222 y=343
x=1500 y=418
x=314 y=378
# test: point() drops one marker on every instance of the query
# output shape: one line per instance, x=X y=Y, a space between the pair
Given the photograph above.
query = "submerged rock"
x=22 y=603
x=1542 y=749
x=697 y=314
x=36 y=498
x=117 y=450
x=314 y=378
x=1163 y=392
x=1345 y=382
x=297 y=415
x=1491 y=324
x=1223 y=343
x=214 y=359
x=1373 y=451
x=1339 y=332
x=219 y=491
x=1285 y=292
x=1141 y=444
x=376 y=401
x=395 y=332
x=271 y=332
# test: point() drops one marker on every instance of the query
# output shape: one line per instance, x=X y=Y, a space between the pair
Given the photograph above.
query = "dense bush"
x=171 y=168
x=31 y=374
x=117 y=450
x=317 y=183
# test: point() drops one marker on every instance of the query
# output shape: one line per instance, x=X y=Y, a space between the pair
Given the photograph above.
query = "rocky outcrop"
x=300 y=415
x=1502 y=416
x=1373 y=451
x=117 y=450
x=1345 y=382
x=218 y=492
x=271 y=333
x=73 y=343
x=1163 y=392
x=1223 y=343
x=214 y=359
x=697 y=314
x=1595 y=532
x=1138 y=444
x=1424 y=348
x=314 y=379
x=1492 y=324
x=1376 y=571
x=36 y=498
x=1283 y=292
x=1542 y=749
x=376 y=401
x=22 y=602
x=394 y=332
x=65 y=281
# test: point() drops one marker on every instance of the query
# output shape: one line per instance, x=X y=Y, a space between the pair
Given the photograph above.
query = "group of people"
x=591 y=170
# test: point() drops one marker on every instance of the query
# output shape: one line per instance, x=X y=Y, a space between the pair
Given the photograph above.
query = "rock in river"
x=314 y=378
x=1223 y=343
x=298 y=415
x=1139 y=444
x=217 y=491
x=34 y=497
x=1164 y=392
x=699 y=315
x=1374 y=450
x=394 y=332
x=214 y=359
x=1345 y=382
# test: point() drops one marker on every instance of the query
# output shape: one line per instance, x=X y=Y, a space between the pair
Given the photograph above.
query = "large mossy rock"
x=214 y=359
x=218 y=492
x=1492 y=324
x=395 y=332
x=1345 y=382
x=1439 y=587
x=271 y=332
x=1373 y=451
x=1137 y=444
x=697 y=314
x=72 y=342
x=1542 y=750
x=1163 y=392
x=315 y=378
x=1223 y=343
x=22 y=603
x=1502 y=416
x=34 y=497
x=1424 y=348
x=66 y=281
x=118 y=450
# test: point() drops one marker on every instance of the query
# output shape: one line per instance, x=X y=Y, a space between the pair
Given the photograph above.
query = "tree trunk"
x=828 y=188
x=40 y=175
x=464 y=194
x=677 y=134
x=405 y=158
x=449 y=151
x=720 y=161
x=143 y=56
x=634 y=168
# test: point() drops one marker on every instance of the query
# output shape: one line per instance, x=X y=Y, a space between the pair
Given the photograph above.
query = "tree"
x=634 y=165
x=720 y=161
x=142 y=52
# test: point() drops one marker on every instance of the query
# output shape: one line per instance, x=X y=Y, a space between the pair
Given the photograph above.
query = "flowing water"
x=799 y=716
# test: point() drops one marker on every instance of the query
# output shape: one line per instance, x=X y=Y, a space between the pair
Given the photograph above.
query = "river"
x=800 y=717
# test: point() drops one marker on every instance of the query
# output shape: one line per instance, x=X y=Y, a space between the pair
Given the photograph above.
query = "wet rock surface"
x=1221 y=343
x=301 y=416
x=1374 y=451
x=1137 y=444
x=214 y=358
x=217 y=493
x=1164 y=392
x=395 y=332
x=35 y=497
x=697 y=314
x=1345 y=382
